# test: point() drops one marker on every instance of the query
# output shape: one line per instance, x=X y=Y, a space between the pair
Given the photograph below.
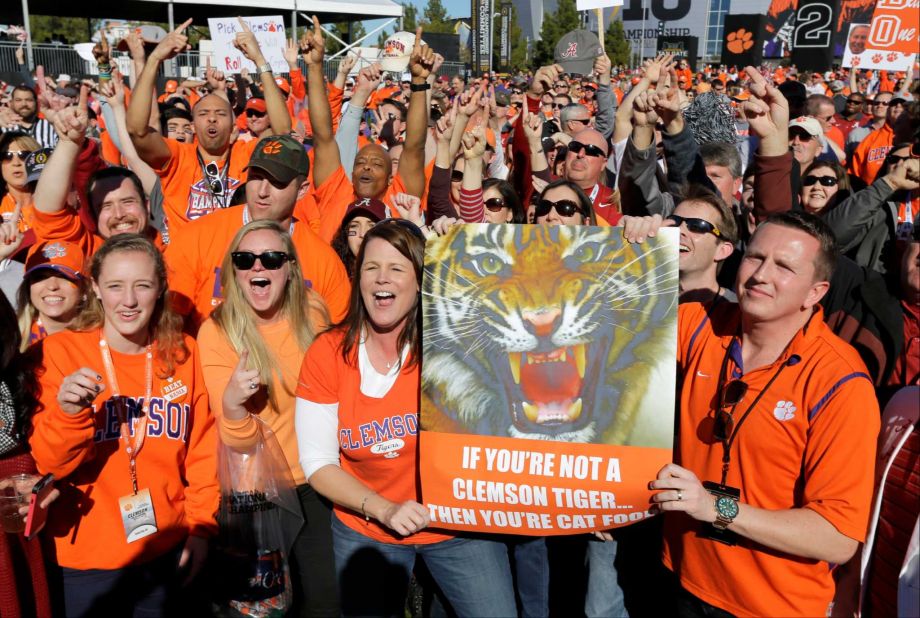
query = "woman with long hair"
x=251 y=351
x=15 y=189
x=125 y=428
x=563 y=202
x=365 y=373
x=53 y=290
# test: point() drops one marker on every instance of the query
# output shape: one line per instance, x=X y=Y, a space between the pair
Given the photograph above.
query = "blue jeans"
x=531 y=572
x=473 y=573
x=605 y=596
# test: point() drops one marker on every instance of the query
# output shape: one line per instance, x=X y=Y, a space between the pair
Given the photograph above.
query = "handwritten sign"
x=270 y=34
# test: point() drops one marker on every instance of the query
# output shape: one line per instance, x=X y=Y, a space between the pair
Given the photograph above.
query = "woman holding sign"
x=125 y=429
x=357 y=429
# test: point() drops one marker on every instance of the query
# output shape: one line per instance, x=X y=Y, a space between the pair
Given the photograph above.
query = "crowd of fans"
x=182 y=266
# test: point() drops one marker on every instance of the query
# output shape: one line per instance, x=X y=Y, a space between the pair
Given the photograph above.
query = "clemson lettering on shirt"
x=166 y=418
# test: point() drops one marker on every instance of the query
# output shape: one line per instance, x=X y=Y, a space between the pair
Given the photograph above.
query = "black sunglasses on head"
x=698 y=226
x=270 y=260
x=590 y=149
x=495 y=204
x=825 y=181
x=565 y=208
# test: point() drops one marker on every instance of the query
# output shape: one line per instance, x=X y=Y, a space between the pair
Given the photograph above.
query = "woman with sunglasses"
x=868 y=222
x=125 y=427
x=362 y=373
x=824 y=184
x=563 y=202
x=53 y=291
x=15 y=188
x=251 y=350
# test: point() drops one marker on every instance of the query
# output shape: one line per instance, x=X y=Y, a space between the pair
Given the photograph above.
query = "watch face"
x=727 y=507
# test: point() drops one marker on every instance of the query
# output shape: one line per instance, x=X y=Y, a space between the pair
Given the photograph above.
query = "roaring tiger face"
x=543 y=332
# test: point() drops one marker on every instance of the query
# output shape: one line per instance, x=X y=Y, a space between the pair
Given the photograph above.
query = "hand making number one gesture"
x=173 y=44
x=421 y=62
x=767 y=111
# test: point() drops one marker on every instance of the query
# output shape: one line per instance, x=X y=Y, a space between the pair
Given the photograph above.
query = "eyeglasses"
x=495 y=204
x=825 y=181
x=559 y=105
x=561 y=85
x=584 y=121
x=21 y=154
x=565 y=208
x=732 y=394
x=404 y=223
x=590 y=149
x=880 y=103
x=214 y=181
x=804 y=136
x=697 y=226
x=270 y=260
x=456 y=176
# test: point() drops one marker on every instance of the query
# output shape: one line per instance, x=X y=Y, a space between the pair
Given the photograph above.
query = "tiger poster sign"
x=548 y=377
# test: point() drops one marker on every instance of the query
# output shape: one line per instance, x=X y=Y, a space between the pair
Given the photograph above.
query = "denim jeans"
x=473 y=572
x=605 y=596
x=531 y=574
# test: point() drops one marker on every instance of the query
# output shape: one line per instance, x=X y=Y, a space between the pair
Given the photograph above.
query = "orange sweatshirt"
x=218 y=360
x=177 y=462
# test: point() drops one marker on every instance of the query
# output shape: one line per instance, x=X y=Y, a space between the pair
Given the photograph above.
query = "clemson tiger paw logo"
x=739 y=41
x=855 y=61
x=891 y=57
x=271 y=148
x=877 y=58
x=784 y=410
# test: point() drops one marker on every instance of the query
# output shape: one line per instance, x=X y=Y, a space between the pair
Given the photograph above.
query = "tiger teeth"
x=580 y=360
x=530 y=411
x=514 y=360
x=575 y=409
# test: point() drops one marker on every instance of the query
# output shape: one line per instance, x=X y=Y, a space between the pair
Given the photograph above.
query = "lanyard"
x=247 y=219
x=594 y=192
x=132 y=447
x=224 y=176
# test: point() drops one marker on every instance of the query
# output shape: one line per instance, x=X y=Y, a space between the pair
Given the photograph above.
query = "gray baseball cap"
x=577 y=50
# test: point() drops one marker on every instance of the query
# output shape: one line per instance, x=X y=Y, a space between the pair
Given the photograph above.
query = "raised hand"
x=544 y=79
x=602 y=68
x=421 y=62
x=215 y=78
x=79 y=389
x=767 y=110
x=113 y=91
x=643 y=113
x=654 y=67
x=444 y=127
x=348 y=63
x=438 y=61
x=172 y=44
x=243 y=384
x=71 y=122
x=469 y=101
x=290 y=53
x=101 y=51
x=474 y=143
x=409 y=208
x=10 y=236
x=246 y=42
x=666 y=101
x=135 y=46
x=533 y=125
x=368 y=79
x=312 y=44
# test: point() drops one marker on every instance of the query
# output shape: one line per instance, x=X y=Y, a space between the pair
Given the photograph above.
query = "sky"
x=455 y=8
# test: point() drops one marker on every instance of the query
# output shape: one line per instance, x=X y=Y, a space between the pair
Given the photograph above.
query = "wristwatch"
x=419 y=87
x=726 y=510
x=264 y=68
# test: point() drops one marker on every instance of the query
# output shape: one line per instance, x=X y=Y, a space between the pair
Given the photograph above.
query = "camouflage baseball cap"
x=282 y=156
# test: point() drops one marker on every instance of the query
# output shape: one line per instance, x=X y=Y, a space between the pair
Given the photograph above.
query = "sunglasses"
x=561 y=86
x=456 y=176
x=825 y=181
x=895 y=159
x=21 y=154
x=255 y=114
x=565 y=208
x=697 y=226
x=881 y=103
x=584 y=121
x=732 y=394
x=214 y=181
x=495 y=204
x=854 y=102
x=590 y=149
x=271 y=260
x=803 y=136
x=559 y=105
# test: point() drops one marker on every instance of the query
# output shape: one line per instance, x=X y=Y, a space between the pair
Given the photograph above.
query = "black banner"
x=682 y=46
x=742 y=40
x=481 y=35
x=504 y=60
x=813 y=39
x=448 y=45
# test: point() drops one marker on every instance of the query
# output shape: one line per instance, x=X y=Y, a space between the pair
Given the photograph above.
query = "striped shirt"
x=42 y=130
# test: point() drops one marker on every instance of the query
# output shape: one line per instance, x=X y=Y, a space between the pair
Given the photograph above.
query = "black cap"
x=793 y=89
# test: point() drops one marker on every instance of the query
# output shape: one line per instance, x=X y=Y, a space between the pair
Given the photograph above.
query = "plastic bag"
x=259 y=518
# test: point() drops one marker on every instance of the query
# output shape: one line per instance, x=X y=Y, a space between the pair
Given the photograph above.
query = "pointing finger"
x=243 y=25
x=84 y=95
x=183 y=26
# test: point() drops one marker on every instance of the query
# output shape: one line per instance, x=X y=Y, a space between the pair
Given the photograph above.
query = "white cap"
x=396 y=52
x=63 y=77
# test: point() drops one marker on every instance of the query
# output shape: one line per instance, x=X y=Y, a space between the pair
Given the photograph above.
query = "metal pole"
x=491 y=33
x=642 y=48
x=294 y=25
x=30 y=59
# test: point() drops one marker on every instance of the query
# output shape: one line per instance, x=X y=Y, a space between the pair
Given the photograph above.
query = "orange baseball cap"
x=63 y=257
x=256 y=104
x=171 y=86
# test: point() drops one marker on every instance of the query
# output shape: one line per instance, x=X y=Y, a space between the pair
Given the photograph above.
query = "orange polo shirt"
x=869 y=156
x=808 y=443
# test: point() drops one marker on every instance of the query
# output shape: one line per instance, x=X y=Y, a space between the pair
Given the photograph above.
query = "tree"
x=69 y=29
x=616 y=45
x=382 y=38
x=565 y=19
x=410 y=17
x=340 y=29
x=518 y=45
x=436 y=18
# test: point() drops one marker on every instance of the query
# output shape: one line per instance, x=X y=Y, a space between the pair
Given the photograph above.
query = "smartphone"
x=35 y=520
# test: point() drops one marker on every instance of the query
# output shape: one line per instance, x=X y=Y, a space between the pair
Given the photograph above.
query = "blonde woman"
x=15 y=188
x=251 y=351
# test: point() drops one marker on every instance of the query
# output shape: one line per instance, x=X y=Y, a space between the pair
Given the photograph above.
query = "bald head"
x=586 y=158
x=372 y=172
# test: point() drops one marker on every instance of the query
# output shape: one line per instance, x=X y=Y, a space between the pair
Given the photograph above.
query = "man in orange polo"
x=772 y=481
x=869 y=156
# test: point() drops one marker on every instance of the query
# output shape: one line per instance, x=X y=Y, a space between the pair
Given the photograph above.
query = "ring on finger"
x=680 y=495
x=253 y=385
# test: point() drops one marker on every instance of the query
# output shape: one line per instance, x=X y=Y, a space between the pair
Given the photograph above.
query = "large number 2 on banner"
x=813 y=26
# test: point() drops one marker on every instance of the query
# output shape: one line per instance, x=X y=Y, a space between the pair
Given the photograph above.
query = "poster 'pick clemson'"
x=548 y=373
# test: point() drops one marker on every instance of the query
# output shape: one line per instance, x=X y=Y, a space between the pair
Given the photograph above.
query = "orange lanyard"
x=132 y=447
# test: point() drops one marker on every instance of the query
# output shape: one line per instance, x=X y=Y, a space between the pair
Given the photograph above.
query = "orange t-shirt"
x=186 y=194
x=195 y=254
x=65 y=224
x=809 y=443
x=869 y=156
x=364 y=421
x=836 y=135
x=8 y=207
x=177 y=463
x=219 y=360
